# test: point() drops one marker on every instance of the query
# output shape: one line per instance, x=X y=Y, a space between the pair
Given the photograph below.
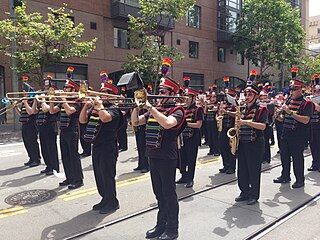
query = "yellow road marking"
x=90 y=191
x=12 y=211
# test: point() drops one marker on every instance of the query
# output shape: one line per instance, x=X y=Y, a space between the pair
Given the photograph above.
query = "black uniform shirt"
x=169 y=147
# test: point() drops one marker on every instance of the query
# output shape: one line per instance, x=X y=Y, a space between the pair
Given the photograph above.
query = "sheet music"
x=232 y=100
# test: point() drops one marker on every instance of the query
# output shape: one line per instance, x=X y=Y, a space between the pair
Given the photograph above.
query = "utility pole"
x=14 y=75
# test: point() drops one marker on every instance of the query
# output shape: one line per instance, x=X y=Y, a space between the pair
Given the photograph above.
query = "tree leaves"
x=41 y=41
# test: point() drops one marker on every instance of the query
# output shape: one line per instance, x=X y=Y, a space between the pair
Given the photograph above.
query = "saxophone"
x=220 y=118
x=233 y=133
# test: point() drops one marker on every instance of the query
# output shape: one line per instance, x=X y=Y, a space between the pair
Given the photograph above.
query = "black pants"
x=293 y=146
x=163 y=173
x=30 y=141
x=249 y=167
x=279 y=127
x=122 y=136
x=213 y=136
x=204 y=131
x=70 y=156
x=48 y=144
x=86 y=146
x=315 y=148
x=228 y=159
x=104 y=159
x=141 y=145
x=189 y=153
x=267 y=151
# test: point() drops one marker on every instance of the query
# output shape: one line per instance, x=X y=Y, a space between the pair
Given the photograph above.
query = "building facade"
x=203 y=37
x=314 y=34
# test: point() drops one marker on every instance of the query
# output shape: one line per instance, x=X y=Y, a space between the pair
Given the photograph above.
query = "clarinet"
x=276 y=115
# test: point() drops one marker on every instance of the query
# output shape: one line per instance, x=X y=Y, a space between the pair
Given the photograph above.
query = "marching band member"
x=315 y=127
x=191 y=136
x=163 y=127
x=211 y=110
x=294 y=134
x=103 y=122
x=227 y=113
x=251 y=144
x=263 y=102
x=29 y=131
x=48 y=131
x=69 y=136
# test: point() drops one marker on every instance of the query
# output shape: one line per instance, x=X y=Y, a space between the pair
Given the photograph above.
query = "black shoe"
x=65 y=183
x=75 y=185
x=45 y=171
x=281 y=180
x=155 y=232
x=313 y=169
x=168 y=236
x=252 y=201
x=298 y=185
x=99 y=205
x=84 y=155
x=137 y=169
x=144 y=170
x=109 y=209
x=34 y=164
x=49 y=173
x=241 y=198
x=230 y=171
x=181 y=181
x=27 y=163
x=222 y=170
x=189 y=184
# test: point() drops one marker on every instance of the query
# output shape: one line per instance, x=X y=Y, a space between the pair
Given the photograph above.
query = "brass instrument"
x=220 y=117
x=233 y=133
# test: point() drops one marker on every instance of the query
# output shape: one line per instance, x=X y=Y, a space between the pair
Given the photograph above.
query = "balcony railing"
x=120 y=9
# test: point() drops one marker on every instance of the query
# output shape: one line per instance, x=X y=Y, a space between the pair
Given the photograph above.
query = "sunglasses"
x=294 y=88
x=248 y=94
x=163 y=91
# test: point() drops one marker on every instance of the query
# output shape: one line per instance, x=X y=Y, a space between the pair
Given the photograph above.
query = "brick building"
x=203 y=37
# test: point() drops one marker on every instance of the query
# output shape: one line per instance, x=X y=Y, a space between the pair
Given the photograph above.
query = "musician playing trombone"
x=162 y=130
x=69 y=137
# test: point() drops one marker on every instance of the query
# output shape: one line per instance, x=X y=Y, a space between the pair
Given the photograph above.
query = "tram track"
x=146 y=210
x=282 y=219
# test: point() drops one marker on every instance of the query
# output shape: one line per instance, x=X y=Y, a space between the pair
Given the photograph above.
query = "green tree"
x=308 y=66
x=145 y=35
x=40 y=41
x=269 y=32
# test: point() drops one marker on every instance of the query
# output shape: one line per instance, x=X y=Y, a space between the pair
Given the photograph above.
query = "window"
x=318 y=30
x=121 y=38
x=178 y=41
x=221 y=54
x=231 y=21
x=193 y=17
x=240 y=59
x=93 y=25
x=196 y=80
x=193 y=49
